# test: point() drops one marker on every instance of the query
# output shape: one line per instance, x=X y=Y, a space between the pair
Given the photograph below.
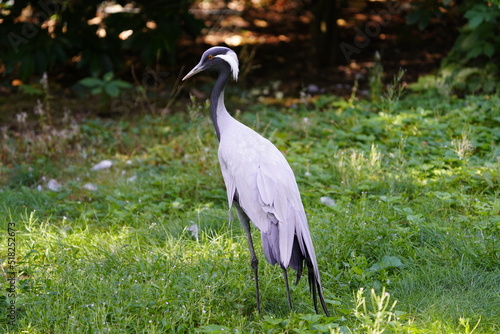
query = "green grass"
x=411 y=244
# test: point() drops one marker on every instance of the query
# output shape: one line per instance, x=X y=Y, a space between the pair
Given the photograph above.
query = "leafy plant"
x=470 y=66
x=480 y=35
x=378 y=315
x=32 y=90
x=108 y=89
x=458 y=79
x=106 y=86
x=32 y=46
x=300 y=323
x=478 y=38
x=394 y=91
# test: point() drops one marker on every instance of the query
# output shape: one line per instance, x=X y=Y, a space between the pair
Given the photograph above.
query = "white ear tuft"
x=232 y=59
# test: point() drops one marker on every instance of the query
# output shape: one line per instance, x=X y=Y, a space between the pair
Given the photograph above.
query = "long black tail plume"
x=315 y=286
x=297 y=263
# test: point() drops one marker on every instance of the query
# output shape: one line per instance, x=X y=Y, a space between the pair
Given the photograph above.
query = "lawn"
x=402 y=198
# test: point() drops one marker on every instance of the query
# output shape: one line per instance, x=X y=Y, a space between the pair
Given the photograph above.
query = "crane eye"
x=210 y=57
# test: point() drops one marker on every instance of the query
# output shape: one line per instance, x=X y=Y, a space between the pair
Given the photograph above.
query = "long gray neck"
x=217 y=106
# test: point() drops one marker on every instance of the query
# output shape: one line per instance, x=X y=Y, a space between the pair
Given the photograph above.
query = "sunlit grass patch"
x=405 y=201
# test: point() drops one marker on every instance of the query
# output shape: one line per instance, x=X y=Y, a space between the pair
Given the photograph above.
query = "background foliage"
x=61 y=36
x=55 y=35
x=472 y=63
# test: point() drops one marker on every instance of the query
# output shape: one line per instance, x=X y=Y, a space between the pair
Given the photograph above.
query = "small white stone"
x=328 y=201
x=54 y=185
x=194 y=230
x=105 y=164
x=90 y=186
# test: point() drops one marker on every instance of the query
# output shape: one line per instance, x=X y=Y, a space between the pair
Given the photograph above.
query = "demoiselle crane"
x=261 y=184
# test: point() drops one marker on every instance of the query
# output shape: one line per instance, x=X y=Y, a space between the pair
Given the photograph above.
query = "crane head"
x=217 y=58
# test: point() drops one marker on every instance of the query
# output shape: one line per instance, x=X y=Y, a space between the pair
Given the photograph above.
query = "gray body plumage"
x=261 y=183
x=255 y=170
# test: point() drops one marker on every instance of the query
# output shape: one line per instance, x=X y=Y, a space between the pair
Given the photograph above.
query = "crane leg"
x=285 y=276
x=245 y=223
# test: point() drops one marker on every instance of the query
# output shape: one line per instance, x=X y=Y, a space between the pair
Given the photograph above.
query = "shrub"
x=470 y=65
x=39 y=36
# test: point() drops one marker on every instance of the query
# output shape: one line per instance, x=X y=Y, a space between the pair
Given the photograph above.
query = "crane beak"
x=197 y=69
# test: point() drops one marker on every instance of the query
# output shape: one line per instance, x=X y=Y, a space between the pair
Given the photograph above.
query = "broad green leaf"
x=488 y=49
x=90 y=82
x=108 y=76
x=475 y=21
x=31 y=90
x=96 y=91
x=474 y=52
x=387 y=262
x=112 y=90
